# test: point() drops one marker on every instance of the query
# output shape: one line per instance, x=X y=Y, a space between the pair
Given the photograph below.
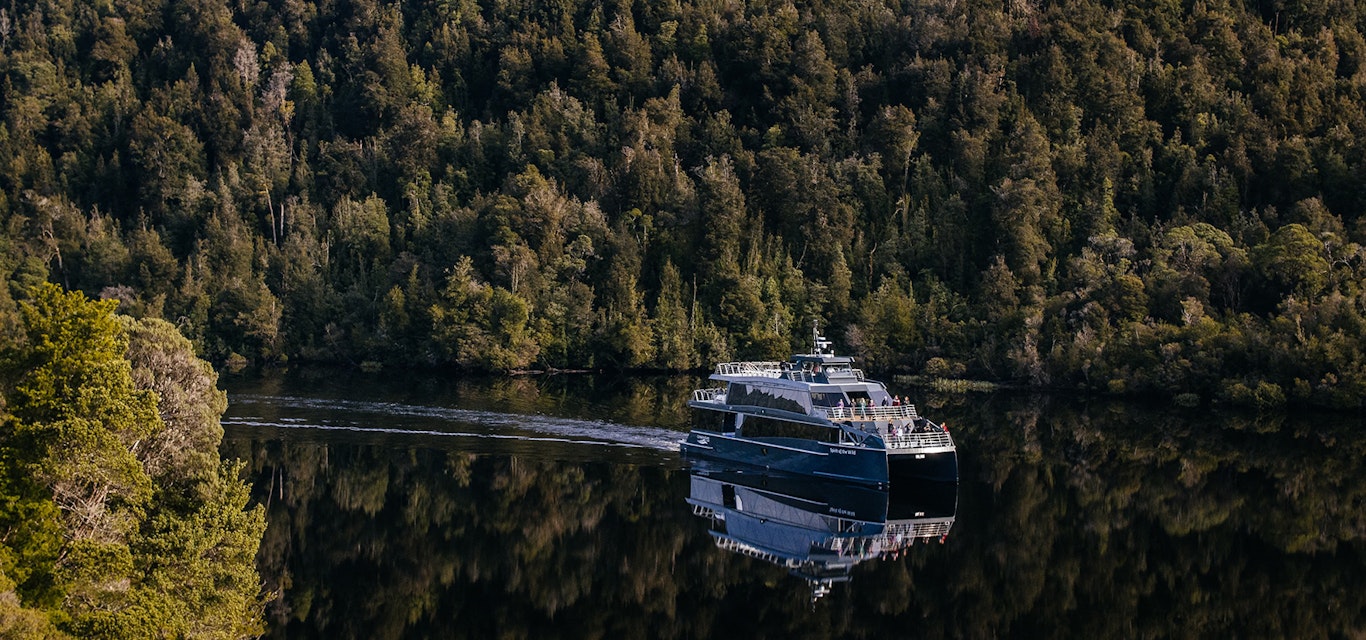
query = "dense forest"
x=1156 y=197
x=117 y=518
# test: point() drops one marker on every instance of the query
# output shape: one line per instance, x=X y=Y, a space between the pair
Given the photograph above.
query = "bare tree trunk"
x=270 y=209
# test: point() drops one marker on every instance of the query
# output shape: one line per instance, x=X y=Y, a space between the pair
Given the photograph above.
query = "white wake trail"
x=348 y=415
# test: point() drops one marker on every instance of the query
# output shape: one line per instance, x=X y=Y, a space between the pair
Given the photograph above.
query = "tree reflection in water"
x=1072 y=521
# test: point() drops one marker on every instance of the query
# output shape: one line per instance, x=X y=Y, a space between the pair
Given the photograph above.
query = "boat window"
x=753 y=395
x=756 y=427
x=719 y=421
x=827 y=399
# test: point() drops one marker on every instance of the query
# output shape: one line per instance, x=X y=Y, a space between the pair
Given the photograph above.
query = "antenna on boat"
x=821 y=342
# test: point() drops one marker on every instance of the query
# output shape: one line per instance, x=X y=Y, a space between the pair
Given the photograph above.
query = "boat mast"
x=820 y=342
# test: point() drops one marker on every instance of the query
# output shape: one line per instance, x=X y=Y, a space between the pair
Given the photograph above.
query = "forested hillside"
x=1130 y=197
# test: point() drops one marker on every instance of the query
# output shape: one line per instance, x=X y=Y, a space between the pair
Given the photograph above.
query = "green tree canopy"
x=116 y=519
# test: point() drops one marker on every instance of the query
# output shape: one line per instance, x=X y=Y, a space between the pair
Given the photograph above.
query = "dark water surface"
x=558 y=507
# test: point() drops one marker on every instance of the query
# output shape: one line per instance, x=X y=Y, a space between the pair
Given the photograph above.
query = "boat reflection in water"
x=818 y=529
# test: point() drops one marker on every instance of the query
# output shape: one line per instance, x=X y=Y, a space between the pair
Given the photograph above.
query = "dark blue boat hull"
x=854 y=464
x=792 y=455
x=940 y=466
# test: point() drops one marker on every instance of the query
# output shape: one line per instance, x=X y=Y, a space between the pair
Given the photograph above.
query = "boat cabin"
x=820 y=386
x=826 y=368
x=827 y=382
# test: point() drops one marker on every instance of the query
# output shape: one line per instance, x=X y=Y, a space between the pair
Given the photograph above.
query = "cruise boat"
x=816 y=414
x=817 y=530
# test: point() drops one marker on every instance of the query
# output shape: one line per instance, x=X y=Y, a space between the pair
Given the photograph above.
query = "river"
x=415 y=506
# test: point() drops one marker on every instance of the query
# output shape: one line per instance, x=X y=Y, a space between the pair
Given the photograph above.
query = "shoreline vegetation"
x=118 y=519
x=1153 y=199
x=951 y=385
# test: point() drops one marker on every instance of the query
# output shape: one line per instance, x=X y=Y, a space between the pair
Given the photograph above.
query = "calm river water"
x=558 y=507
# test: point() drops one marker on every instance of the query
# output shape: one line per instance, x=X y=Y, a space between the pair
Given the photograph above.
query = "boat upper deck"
x=717 y=396
x=805 y=369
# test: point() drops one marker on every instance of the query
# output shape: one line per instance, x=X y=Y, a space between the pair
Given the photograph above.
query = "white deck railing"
x=869 y=413
x=765 y=369
x=774 y=370
x=710 y=395
x=913 y=441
